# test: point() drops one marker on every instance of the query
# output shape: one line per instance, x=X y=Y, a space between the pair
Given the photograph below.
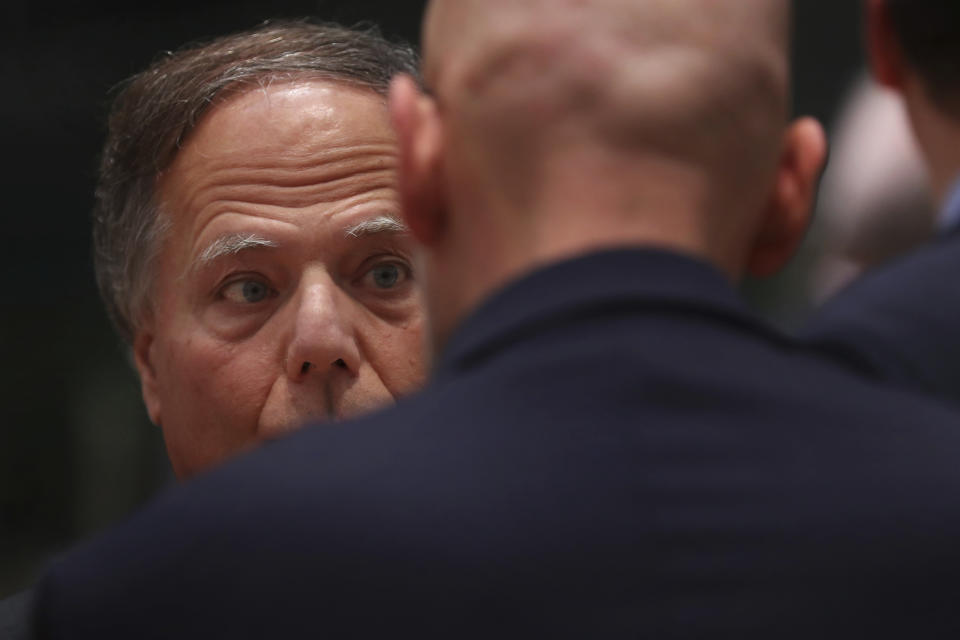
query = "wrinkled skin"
x=268 y=312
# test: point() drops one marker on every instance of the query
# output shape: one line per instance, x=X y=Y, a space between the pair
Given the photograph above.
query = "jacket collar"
x=608 y=280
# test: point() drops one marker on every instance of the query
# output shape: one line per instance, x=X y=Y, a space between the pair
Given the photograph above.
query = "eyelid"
x=387 y=259
x=240 y=279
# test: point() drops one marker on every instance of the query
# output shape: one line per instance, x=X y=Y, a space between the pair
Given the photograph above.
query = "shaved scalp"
x=554 y=128
x=700 y=81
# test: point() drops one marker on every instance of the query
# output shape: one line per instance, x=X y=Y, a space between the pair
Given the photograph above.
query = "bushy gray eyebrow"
x=232 y=244
x=378 y=224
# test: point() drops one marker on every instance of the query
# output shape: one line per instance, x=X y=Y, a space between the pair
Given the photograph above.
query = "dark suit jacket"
x=15 y=616
x=612 y=447
x=901 y=322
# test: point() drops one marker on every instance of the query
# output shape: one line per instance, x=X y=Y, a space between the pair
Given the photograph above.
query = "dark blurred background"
x=76 y=450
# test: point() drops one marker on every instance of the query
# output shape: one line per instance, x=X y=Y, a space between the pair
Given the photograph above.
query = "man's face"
x=284 y=291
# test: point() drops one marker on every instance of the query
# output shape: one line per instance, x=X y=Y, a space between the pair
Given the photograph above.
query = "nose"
x=323 y=341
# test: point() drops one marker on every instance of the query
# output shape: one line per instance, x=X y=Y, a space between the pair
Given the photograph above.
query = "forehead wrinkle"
x=271 y=197
x=322 y=178
x=295 y=157
x=285 y=160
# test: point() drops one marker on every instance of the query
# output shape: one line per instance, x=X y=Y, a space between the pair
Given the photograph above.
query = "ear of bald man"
x=788 y=210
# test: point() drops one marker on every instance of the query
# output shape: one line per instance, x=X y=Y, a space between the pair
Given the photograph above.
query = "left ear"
x=416 y=121
x=788 y=211
x=143 y=360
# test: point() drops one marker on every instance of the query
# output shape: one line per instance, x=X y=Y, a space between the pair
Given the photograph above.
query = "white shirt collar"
x=949 y=218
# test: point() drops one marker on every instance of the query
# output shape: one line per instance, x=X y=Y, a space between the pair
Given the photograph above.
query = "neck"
x=660 y=205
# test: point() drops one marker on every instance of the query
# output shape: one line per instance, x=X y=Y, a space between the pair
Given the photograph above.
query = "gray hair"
x=156 y=109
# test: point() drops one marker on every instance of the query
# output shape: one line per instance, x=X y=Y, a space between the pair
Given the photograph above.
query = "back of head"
x=695 y=81
x=929 y=34
x=155 y=111
x=555 y=128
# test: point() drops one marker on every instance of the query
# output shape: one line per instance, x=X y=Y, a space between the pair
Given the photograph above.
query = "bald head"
x=456 y=32
x=558 y=127
x=687 y=77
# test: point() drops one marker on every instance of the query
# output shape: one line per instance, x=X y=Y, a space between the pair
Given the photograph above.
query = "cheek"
x=398 y=356
x=205 y=381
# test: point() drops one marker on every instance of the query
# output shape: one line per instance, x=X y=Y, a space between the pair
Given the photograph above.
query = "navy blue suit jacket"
x=15 y=612
x=611 y=447
x=901 y=321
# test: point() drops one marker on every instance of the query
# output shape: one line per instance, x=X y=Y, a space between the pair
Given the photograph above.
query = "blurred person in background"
x=874 y=200
x=898 y=322
x=612 y=445
x=247 y=237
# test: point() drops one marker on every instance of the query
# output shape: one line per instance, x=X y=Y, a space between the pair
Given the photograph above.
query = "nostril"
x=340 y=363
x=306 y=367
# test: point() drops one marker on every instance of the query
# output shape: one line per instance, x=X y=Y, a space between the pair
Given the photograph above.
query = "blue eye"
x=386 y=276
x=254 y=291
x=246 y=291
